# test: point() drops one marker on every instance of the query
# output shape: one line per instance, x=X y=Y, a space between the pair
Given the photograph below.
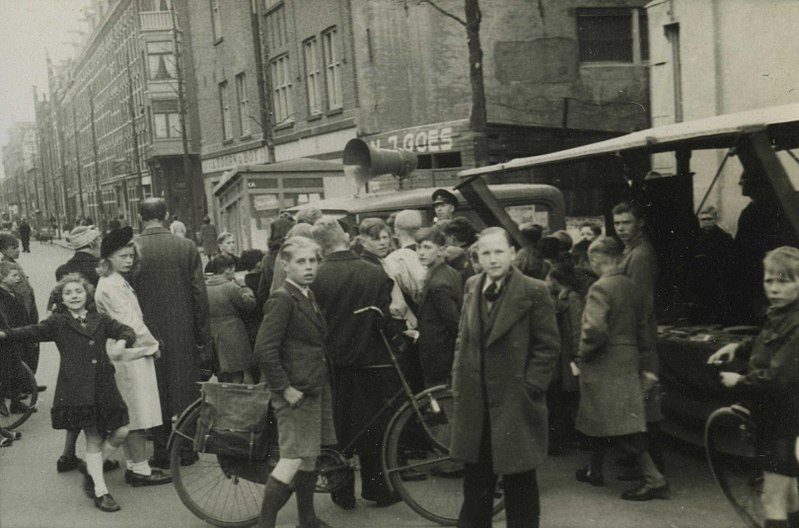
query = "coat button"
x=91 y=342
x=94 y=361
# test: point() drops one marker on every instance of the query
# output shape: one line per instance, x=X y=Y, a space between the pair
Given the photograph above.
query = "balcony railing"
x=155 y=20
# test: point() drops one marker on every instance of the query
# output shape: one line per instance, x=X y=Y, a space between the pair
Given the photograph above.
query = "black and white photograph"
x=399 y=263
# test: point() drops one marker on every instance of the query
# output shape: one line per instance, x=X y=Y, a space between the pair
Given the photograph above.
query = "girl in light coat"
x=135 y=376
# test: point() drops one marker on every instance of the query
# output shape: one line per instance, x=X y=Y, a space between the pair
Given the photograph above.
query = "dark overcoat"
x=85 y=373
x=510 y=354
x=174 y=301
x=639 y=262
x=614 y=345
x=12 y=314
x=438 y=318
x=290 y=347
x=229 y=303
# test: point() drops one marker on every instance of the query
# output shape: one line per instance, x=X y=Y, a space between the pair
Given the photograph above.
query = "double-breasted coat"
x=229 y=303
x=503 y=364
x=614 y=347
x=173 y=298
x=86 y=393
x=439 y=315
x=135 y=374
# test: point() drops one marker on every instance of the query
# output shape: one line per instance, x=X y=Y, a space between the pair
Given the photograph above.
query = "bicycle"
x=28 y=395
x=730 y=445
x=227 y=492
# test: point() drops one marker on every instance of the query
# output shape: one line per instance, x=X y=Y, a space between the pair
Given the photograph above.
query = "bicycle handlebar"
x=367 y=308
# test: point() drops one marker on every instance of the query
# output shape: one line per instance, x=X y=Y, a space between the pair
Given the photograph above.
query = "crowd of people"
x=546 y=348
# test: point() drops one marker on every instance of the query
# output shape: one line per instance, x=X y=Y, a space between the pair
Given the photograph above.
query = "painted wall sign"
x=435 y=139
x=228 y=161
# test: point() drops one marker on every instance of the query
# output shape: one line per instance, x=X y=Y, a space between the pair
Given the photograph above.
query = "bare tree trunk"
x=478 y=119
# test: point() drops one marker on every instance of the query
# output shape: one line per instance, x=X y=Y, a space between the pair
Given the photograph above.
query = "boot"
x=276 y=494
x=770 y=523
x=305 y=485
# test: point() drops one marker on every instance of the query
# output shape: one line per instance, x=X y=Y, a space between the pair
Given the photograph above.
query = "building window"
x=224 y=105
x=216 y=19
x=276 y=25
x=167 y=125
x=612 y=35
x=156 y=5
x=281 y=89
x=160 y=60
x=330 y=43
x=244 y=104
x=313 y=75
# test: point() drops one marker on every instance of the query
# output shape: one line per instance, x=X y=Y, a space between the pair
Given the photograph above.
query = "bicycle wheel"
x=417 y=464
x=215 y=495
x=29 y=395
x=731 y=454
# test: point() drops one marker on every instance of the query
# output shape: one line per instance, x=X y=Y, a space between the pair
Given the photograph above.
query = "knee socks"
x=107 y=449
x=94 y=467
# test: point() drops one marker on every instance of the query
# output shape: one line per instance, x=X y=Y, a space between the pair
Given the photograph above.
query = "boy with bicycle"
x=772 y=383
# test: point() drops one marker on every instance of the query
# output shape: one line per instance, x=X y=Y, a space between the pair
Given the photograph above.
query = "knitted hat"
x=115 y=240
x=82 y=236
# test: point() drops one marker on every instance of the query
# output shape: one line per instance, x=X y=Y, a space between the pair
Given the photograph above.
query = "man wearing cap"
x=444 y=204
x=85 y=241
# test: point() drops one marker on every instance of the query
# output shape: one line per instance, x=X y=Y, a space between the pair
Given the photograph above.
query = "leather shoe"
x=345 y=501
x=157 y=477
x=68 y=463
x=646 y=492
x=584 y=475
x=106 y=503
x=41 y=388
x=388 y=500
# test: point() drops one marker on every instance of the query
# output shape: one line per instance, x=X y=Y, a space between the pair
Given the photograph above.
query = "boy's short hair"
x=462 y=229
x=605 y=246
x=431 y=234
x=222 y=236
x=295 y=243
x=408 y=220
x=250 y=258
x=220 y=263
x=593 y=227
x=328 y=233
x=783 y=260
x=7 y=240
x=309 y=215
x=372 y=227
x=629 y=207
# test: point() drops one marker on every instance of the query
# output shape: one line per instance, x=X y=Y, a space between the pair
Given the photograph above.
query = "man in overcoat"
x=361 y=371
x=171 y=290
x=639 y=262
x=507 y=347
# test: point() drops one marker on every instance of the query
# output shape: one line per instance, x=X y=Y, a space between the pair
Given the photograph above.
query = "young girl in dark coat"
x=86 y=395
x=772 y=384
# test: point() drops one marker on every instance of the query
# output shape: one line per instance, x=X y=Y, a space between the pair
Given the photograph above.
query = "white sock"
x=129 y=464
x=141 y=468
x=94 y=467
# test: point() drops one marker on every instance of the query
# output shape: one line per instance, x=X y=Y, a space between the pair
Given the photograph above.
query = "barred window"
x=612 y=35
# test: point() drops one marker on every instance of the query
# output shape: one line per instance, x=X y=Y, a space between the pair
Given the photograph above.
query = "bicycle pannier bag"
x=233 y=420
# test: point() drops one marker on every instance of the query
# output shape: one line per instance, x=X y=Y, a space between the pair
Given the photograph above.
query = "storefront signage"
x=436 y=139
x=228 y=161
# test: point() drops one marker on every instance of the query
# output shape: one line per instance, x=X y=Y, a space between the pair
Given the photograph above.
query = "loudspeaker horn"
x=363 y=162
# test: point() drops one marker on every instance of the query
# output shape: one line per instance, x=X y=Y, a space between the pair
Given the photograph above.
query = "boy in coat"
x=614 y=347
x=439 y=309
x=506 y=350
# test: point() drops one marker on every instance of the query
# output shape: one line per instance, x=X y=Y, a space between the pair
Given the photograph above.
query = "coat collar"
x=158 y=230
x=305 y=304
x=513 y=304
x=341 y=255
x=92 y=323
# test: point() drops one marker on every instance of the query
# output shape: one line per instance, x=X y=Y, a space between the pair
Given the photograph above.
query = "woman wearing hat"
x=135 y=376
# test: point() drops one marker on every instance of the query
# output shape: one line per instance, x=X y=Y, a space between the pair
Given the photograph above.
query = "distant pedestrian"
x=135 y=372
x=251 y=261
x=177 y=227
x=114 y=224
x=174 y=301
x=439 y=308
x=86 y=396
x=711 y=270
x=444 y=204
x=208 y=236
x=499 y=413
x=589 y=231
x=277 y=234
x=225 y=245
x=614 y=347
x=229 y=303
x=25 y=235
